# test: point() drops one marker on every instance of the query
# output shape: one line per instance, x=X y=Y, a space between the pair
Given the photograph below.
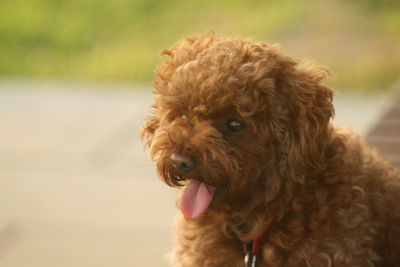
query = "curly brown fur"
x=320 y=195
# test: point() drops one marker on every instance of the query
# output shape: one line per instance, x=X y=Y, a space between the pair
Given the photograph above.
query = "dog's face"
x=229 y=113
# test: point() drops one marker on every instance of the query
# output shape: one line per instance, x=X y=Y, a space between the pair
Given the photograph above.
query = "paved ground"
x=76 y=188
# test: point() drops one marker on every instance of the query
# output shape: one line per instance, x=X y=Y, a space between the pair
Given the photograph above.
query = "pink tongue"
x=196 y=198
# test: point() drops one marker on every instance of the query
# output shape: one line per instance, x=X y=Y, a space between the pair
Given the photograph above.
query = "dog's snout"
x=183 y=163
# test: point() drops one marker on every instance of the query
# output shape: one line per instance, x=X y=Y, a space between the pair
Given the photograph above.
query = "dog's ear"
x=303 y=111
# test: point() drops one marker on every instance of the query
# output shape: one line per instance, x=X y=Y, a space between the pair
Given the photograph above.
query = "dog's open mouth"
x=196 y=198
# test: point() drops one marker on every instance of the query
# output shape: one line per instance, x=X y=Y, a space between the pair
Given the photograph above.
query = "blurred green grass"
x=121 y=40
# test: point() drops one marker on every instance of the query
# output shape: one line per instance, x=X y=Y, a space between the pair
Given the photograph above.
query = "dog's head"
x=232 y=118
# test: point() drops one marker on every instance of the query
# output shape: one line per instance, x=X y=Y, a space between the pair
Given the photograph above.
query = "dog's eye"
x=234 y=126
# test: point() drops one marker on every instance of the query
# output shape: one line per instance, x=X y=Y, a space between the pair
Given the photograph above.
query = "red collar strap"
x=251 y=248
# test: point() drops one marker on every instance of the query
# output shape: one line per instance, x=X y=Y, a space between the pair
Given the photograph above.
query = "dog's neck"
x=244 y=214
x=251 y=230
x=250 y=223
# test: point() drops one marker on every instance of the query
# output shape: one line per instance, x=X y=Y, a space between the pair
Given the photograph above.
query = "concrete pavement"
x=77 y=188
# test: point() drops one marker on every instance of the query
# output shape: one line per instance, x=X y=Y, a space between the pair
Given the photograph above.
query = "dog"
x=265 y=179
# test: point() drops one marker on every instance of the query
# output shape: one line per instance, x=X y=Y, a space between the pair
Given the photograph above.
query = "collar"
x=251 y=248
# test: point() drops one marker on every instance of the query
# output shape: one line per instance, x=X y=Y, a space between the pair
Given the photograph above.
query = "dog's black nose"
x=182 y=163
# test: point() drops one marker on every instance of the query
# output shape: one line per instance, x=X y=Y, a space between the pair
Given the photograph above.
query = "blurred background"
x=121 y=40
x=76 y=186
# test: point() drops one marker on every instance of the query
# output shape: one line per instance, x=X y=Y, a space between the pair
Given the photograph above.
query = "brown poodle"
x=266 y=179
